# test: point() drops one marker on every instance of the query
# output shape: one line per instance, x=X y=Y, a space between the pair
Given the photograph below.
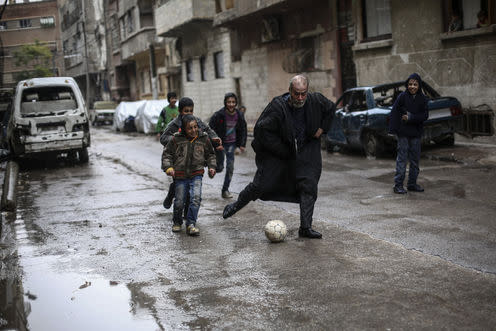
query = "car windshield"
x=385 y=95
x=105 y=105
x=47 y=100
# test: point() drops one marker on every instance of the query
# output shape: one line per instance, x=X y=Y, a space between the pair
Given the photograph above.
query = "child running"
x=184 y=159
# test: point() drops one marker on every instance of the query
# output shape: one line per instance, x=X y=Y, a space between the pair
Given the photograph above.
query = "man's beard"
x=297 y=104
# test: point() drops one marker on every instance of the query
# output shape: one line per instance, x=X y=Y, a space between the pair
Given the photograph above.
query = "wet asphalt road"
x=96 y=250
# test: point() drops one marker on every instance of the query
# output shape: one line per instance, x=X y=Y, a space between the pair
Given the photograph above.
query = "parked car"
x=102 y=112
x=363 y=113
x=48 y=116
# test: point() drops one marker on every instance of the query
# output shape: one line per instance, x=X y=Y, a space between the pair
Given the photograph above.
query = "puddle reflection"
x=49 y=298
x=71 y=301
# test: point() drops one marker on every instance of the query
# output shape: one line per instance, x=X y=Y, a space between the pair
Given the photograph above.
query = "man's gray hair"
x=299 y=79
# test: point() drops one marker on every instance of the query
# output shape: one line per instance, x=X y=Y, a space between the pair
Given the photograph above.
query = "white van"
x=49 y=116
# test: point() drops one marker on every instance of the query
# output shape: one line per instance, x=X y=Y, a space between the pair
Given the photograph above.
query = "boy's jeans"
x=183 y=186
x=229 y=151
x=408 y=150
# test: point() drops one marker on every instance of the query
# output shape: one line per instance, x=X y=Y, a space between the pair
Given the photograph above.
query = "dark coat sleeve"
x=171 y=128
x=269 y=136
x=210 y=158
x=396 y=112
x=207 y=129
x=327 y=109
x=241 y=130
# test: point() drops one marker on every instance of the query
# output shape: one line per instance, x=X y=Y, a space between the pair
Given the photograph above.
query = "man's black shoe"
x=399 y=190
x=309 y=233
x=230 y=210
x=415 y=188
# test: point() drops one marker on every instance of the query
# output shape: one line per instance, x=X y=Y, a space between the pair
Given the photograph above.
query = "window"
x=47 y=22
x=219 y=64
x=130 y=22
x=3 y=25
x=376 y=19
x=189 y=70
x=467 y=14
x=26 y=23
x=203 y=68
x=114 y=30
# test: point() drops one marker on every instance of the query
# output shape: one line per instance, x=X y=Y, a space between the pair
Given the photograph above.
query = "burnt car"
x=48 y=117
x=102 y=112
x=363 y=114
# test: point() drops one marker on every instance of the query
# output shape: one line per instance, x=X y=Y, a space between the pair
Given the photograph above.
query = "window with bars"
x=468 y=14
x=47 y=22
x=25 y=23
x=376 y=16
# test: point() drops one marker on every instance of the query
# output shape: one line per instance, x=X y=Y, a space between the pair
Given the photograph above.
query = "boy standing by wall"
x=230 y=125
x=408 y=115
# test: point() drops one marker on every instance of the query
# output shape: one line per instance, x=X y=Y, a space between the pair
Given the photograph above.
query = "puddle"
x=50 y=298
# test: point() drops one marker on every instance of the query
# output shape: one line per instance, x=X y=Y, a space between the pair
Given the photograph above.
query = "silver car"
x=49 y=116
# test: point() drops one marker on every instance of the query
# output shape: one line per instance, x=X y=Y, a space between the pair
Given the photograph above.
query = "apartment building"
x=24 y=24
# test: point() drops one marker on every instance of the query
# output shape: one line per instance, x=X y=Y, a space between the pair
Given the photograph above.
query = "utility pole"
x=86 y=57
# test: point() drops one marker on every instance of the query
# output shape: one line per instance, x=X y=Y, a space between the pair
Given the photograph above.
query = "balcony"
x=177 y=16
x=137 y=43
x=248 y=8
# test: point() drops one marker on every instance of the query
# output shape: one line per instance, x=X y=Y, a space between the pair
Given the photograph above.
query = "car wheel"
x=83 y=155
x=372 y=145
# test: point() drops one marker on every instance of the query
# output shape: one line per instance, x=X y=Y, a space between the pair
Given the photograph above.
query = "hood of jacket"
x=417 y=78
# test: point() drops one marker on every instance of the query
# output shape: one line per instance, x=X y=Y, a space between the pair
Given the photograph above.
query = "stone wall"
x=460 y=64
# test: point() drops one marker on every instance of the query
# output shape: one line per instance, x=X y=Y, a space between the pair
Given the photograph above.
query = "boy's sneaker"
x=226 y=195
x=192 y=230
x=176 y=228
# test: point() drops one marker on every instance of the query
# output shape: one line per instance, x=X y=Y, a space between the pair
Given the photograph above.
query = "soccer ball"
x=275 y=231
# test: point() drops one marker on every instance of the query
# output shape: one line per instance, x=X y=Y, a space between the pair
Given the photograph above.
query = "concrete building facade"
x=24 y=24
x=272 y=40
x=85 y=46
x=395 y=38
x=141 y=47
x=205 y=52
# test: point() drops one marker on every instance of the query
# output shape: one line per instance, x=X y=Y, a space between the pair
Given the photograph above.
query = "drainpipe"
x=86 y=58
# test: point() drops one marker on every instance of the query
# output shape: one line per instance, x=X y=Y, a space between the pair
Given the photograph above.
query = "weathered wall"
x=463 y=66
x=266 y=68
x=208 y=95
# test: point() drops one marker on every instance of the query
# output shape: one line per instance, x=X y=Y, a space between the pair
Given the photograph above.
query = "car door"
x=336 y=135
x=356 y=117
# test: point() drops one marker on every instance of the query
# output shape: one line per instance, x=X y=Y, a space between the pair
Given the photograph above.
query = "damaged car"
x=102 y=112
x=49 y=117
x=362 y=119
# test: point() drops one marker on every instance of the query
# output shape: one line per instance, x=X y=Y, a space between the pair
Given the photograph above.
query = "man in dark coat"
x=287 y=146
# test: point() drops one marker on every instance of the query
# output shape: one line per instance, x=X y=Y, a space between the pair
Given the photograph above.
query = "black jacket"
x=218 y=124
x=416 y=107
x=275 y=146
x=175 y=125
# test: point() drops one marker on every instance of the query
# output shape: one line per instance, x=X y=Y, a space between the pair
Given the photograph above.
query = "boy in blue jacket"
x=408 y=115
